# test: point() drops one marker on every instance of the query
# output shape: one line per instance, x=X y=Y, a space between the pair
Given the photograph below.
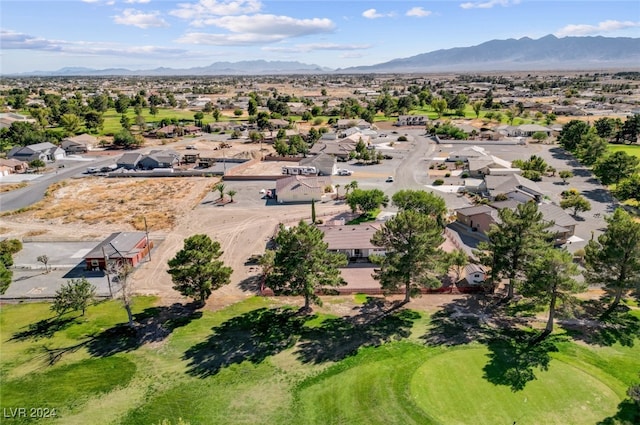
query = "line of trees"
x=589 y=144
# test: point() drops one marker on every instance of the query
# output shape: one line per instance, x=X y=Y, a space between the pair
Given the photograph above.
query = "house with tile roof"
x=303 y=189
x=352 y=240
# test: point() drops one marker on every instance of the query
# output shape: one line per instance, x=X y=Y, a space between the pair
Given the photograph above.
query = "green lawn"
x=257 y=363
x=630 y=149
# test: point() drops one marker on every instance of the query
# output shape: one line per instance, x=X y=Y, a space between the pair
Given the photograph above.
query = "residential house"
x=490 y=165
x=528 y=130
x=411 y=120
x=44 y=151
x=14 y=166
x=564 y=226
x=160 y=159
x=352 y=240
x=475 y=274
x=323 y=162
x=471 y=152
x=121 y=247
x=79 y=144
x=337 y=148
x=514 y=186
x=129 y=161
x=479 y=217
x=345 y=123
x=303 y=189
x=277 y=123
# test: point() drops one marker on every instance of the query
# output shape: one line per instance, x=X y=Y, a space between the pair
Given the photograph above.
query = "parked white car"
x=343 y=172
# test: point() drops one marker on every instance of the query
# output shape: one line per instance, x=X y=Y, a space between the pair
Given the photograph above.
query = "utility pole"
x=146 y=230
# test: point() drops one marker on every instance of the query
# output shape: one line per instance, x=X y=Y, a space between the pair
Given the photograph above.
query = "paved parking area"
x=65 y=262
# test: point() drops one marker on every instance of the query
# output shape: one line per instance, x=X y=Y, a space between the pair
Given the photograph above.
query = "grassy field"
x=630 y=149
x=258 y=362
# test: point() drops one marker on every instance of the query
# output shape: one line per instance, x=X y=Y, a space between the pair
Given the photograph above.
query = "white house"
x=303 y=189
x=79 y=144
x=44 y=151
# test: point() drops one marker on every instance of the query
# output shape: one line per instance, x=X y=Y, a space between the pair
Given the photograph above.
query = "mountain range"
x=524 y=54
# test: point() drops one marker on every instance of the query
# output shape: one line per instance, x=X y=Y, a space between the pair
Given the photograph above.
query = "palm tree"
x=337 y=191
x=220 y=188
x=231 y=194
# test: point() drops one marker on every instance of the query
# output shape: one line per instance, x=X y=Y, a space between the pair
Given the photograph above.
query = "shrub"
x=464 y=175
x=438 y=182
x=448 y=175
x=402 y=139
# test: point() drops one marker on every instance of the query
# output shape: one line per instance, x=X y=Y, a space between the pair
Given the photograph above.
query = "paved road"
x=412 y=171
x=36 y=189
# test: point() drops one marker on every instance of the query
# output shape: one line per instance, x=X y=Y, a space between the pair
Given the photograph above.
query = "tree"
x=411 y=240
x=122 y=104
x=196 y=271
x=124 y=138
x=231 y=194
x=477 y=107
x=303 y=265
x=571 y=134
x=564 y=175
x=313 y=211
x=122 y=270
x=93 y=120
x=266 y=262
x=456 y=261
x=44 y=259
x=423 y=202
x=630 y=130
x=615 y=166
x=37 y=164
x=514 y=242
x=125 y=122
x=439 y=106
x=75 y=295
x=549 y=277
x=8 y=247
x=252 y=107
x=591 y=147
x=216 y=114
x=220 y=188
x=366 y=200
x=337 y=186
x=350 y=186
x=576 y=202
x=71 y=123
x=613 y=259
x=629 y=188
x=539 y=136
x=153 y=109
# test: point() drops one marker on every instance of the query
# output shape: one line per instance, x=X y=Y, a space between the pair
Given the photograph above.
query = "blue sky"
x=144 y=34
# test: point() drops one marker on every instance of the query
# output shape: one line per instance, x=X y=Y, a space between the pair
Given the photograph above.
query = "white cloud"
x=373 y=14
x=12 y=40
x=205 y=9
x=601 y=27
x=351 y=55
x=257 y=29
x=418 y=12
x=90 y=1
x=488 y=4
x=136 y=1
x=306 y=48
x=140 y=19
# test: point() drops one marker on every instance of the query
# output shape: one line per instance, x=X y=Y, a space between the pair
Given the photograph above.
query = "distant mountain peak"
x=524 y=54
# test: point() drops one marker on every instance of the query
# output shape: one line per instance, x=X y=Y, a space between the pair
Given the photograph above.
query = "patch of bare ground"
x=120 y=204
x=11 y=186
